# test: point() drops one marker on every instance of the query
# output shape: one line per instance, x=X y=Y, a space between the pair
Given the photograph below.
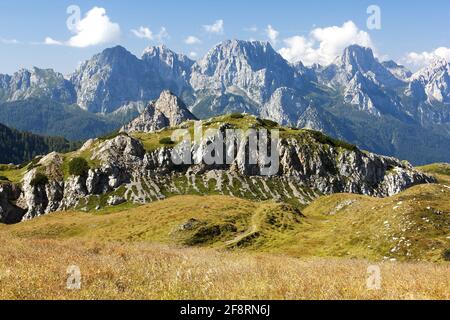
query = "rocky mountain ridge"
x=125 y=168
x=355 y=93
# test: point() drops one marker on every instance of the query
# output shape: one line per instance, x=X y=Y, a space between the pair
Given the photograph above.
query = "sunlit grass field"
x=218 y=247
x=119 y=270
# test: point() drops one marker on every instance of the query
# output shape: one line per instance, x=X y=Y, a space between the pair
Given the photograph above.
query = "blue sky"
x=406 y=27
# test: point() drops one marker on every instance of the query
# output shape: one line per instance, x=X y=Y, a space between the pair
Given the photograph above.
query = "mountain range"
x=380 y=106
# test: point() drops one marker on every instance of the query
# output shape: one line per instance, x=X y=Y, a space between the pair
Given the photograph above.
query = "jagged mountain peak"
x=114 y=55
x=36 y=83
x=175 y=66
x=357 y=56
x=160 y=48
x=362 y=59
x=257 y=53
x=253 y=68
x=399 y=71
x=432 y=82
x=116 y=77
x=169 y=103
x=164 y=53
x=167 y=111
x=38 y=72
x=109 y=80
x=438 y=67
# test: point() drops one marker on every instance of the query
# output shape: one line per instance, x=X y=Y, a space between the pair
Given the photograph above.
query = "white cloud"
x=52 y=42
x=9 y=41
x=217 y=27
x=96 y=28
x=146 y=33
x=192 y=40
x=323 y=45
x=272 y=34
x=162 y=34
x=143 y=33
x=419 y=60
x=193 y=54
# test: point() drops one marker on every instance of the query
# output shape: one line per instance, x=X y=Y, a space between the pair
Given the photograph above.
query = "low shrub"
x=78 y=167
x=446 y=255
x=40 y=180
x=324 y=139
x=267 y=123
x=166 y=141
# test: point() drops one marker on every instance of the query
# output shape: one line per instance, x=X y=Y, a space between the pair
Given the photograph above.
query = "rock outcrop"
x=167 y=111
x=310 y=164
x=9 y=212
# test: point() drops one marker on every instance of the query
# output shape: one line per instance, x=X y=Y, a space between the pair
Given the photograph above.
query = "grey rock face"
x=167 y=111
x=115 y=200
x=399 y=71
x=251 y=77
x=433 y=82
x=306 y=163
x=429 y=91
x=253 y=67
x=365 y=82
x=36 y=83
x=115 y=78
x=111 y=79
x=34 y=198
x=10 y=213
x=285 y=106
x=172 y=68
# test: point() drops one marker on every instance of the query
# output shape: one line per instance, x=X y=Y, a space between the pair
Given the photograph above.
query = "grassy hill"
x=441 y=171
x=413 y=225
x=219 y=247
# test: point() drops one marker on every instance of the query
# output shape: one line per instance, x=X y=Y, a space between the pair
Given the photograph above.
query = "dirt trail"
x=252 y=231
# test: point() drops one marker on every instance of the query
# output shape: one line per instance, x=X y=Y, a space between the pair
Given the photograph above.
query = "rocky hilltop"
x=136 y=167
x=167 y=111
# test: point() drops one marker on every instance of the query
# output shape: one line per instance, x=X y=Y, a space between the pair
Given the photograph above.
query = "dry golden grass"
x=121 y=255
x=111 y=270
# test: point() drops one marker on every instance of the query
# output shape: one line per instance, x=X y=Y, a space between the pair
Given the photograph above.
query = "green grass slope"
x=414 y=225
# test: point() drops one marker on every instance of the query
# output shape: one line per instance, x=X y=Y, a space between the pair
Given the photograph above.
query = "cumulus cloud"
x=419 y=60
x=323 y=45
x=272 y=34
x=217 y=27
x=143 y=33
x=191 y=40
x=96 y=28
x=146 y=33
